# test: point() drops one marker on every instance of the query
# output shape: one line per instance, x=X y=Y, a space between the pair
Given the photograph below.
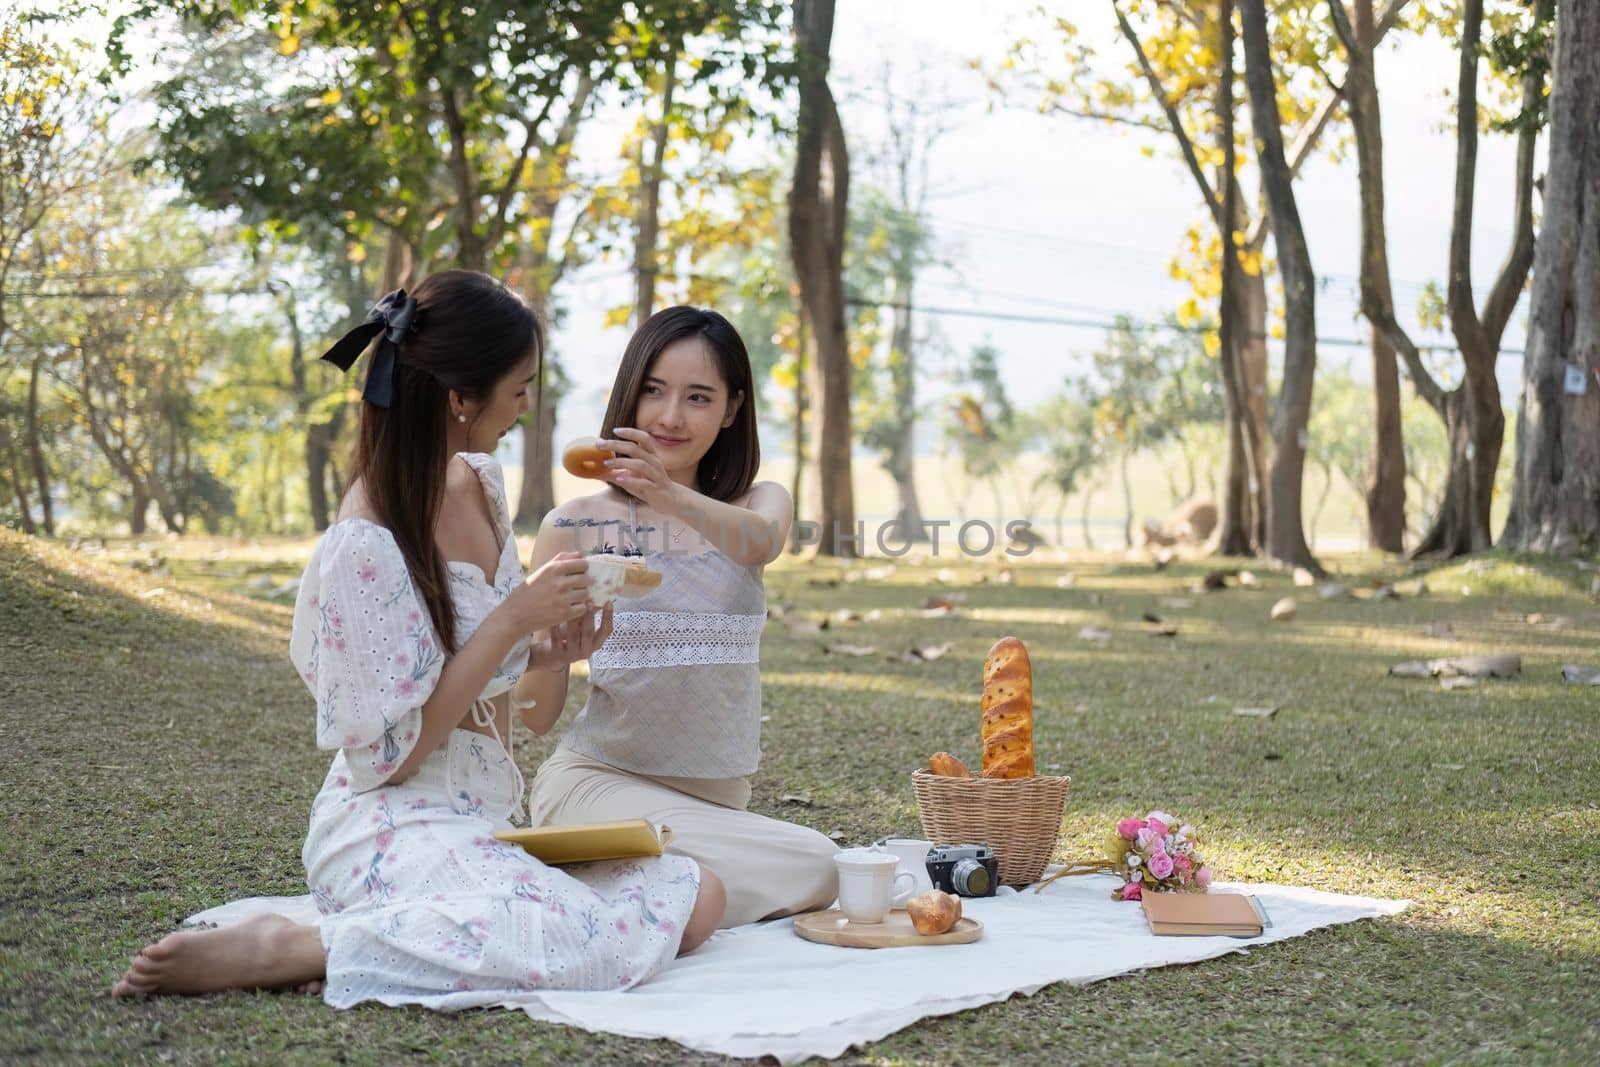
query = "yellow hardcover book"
x=591 y=842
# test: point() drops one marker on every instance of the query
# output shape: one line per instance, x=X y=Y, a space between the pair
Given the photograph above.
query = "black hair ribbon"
x=392 y=317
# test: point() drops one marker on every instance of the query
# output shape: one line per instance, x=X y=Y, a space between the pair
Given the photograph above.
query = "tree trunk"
x=41 y=471
x=648 y=218
x=1386 y=481
x=317 y=445
x=1286 y=541
x=901 y=463
x=1475 y=431
x=1473 y=417
x=19 y=484
x=1233 y=535
x=1555 y=496
x=1127 y=500
x=1236 y=536
x=797 y=479
x=817 y=206
x=1252 y=369
x=1083 y=519
x=1385 y=488
x=138 y=504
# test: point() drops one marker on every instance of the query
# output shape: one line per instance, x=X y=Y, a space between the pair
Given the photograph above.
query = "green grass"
x=158 y=759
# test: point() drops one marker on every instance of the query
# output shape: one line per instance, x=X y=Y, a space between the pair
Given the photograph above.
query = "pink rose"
x=1128 y=827
x=1202 y=877
x=1183 y=864
x=1143 y=838
x=1161 y=865
x=1158 y=827
x=1132 y=891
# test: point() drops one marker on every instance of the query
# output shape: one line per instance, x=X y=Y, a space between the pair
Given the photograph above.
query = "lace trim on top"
x=678 y=639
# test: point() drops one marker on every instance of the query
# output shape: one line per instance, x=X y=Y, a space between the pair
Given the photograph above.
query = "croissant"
x=1007 y=711
x=943 y=763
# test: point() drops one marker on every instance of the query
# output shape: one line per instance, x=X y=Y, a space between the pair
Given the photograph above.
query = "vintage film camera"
x=965 y=870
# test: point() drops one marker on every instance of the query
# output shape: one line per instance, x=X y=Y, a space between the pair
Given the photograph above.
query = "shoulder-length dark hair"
x=726 y=471
x=469 y=333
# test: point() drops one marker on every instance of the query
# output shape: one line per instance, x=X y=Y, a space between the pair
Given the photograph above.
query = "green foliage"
x=982 y=425
x=421 y=121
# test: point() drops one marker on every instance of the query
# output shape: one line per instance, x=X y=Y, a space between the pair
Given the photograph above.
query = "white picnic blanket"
x=760 y=990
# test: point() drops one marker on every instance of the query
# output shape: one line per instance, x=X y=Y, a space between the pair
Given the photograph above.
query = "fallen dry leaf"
x=795 y=798
x=1385 y=592
x=849 y=650
x=1581 y=675
x=1284 y=610
x=1176 y=603
x=802 y=624
x=929 y=653
x=1067 y=581
x=1458 y=681
x=1248 y=579
x=1335 y=591
x=1502 y=666
x=1094 y=633
x=1304 y=578
x=1257 y=713
x=1442 y=631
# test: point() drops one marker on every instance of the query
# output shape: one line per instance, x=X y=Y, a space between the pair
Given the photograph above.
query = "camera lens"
x=970 y=878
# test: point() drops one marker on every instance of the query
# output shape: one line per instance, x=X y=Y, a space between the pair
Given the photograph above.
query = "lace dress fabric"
x=676 y=689
x=421 y=904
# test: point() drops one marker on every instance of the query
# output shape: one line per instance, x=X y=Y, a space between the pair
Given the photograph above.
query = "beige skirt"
x=770 y=867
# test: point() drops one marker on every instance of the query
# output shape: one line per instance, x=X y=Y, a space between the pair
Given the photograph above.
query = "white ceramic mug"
x=605 y=579
x=869 y=884
x=913 y=854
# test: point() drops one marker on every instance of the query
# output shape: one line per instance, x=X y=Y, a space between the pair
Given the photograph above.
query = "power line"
x=1110 y=324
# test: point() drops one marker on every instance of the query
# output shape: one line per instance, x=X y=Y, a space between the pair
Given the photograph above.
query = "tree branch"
x=1174 y=121
x=1311 y=132
x=1519 y=260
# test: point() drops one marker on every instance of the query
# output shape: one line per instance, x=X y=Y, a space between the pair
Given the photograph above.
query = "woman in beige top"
x=671 y=728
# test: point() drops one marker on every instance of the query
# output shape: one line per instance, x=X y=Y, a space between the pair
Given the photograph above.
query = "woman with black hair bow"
x=412 y=623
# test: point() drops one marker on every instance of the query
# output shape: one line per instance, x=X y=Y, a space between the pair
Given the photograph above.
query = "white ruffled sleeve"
x=364 y=644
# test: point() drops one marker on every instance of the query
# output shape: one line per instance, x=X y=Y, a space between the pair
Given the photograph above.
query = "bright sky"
x=1057 y=217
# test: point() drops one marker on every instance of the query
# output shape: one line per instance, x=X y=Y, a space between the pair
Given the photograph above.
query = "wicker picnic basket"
x=1020 y=818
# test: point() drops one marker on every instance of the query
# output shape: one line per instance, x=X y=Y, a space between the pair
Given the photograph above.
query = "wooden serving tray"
x=832 y=928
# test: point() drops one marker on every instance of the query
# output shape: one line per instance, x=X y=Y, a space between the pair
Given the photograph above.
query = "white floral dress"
x=420 y=903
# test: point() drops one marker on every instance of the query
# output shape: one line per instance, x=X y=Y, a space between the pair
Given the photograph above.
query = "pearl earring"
x=461 y=418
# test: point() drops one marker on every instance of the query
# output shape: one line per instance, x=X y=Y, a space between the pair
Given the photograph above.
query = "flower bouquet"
x=1156 y=852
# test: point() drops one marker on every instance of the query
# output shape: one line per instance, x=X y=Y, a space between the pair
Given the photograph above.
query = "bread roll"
x=934 y=912
x=943 y=763
x=1007 y=711
x=584 y=458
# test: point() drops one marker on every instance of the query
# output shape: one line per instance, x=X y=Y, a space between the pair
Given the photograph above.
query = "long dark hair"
x=470 y=331
x=727 y=470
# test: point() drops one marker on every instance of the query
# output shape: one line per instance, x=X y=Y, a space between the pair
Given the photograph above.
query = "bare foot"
x=313 y=988
x=261 y=953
